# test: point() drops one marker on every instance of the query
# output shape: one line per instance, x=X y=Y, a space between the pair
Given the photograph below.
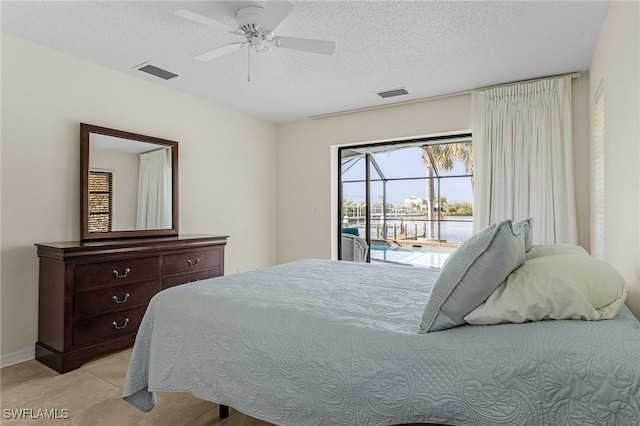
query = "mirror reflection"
x=129 y=184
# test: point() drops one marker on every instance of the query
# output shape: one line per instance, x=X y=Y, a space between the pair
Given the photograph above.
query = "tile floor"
x=92 y=395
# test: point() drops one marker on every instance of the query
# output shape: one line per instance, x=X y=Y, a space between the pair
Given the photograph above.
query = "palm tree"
x=443 y=156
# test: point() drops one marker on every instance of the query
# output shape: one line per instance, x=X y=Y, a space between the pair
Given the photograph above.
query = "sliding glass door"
x=411 y=201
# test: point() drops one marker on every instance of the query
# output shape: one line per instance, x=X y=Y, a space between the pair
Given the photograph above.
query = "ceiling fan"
x=257 y=25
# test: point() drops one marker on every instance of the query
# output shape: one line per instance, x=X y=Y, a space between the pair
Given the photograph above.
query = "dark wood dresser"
x=93 y=294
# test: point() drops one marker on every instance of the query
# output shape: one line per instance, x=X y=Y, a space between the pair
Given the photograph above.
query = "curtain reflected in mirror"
x=154 y=190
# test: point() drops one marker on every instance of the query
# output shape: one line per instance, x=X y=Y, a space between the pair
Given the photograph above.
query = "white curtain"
x=154 y=190
x=523 y=158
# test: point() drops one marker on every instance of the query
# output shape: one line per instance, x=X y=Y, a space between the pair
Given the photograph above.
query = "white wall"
x=126 y=173
x=616 y=62
x=307 y=191
x=307 y=163
x=226 y=163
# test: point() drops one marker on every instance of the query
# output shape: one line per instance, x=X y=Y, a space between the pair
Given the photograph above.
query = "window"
x=100 y=201
x=411 y=200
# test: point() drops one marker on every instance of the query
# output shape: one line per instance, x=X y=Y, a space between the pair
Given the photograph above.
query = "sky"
x=400 y=163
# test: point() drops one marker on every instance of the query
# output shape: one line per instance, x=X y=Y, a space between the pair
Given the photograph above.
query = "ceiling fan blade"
x=219 y=51
x=305 y=44
x=192 y=16
x=273 y=14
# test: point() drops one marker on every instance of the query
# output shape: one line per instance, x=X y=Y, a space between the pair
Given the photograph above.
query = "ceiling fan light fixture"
x=257 y=43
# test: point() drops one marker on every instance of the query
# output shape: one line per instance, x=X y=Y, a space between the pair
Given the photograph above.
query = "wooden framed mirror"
x=128 y=184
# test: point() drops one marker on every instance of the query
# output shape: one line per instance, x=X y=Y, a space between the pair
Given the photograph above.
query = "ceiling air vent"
x=158 y=72
x=392 y=93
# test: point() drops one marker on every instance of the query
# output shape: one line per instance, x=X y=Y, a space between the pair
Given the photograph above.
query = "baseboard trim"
x=17 y=357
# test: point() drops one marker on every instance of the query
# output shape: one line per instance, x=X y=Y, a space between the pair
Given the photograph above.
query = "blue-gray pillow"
x=527 y=225
x=471 y=273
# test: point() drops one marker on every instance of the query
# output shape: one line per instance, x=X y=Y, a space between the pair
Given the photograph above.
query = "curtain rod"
x=448 y=95
x=572 y=75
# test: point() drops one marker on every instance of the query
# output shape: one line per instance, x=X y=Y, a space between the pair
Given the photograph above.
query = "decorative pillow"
x=527 y=226
x=554 y=249
x=471 y=273
x=565 y=286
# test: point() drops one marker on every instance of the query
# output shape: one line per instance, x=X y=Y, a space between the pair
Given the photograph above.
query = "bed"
x=320 y=342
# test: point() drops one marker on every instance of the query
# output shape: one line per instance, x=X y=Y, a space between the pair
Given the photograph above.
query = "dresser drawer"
x=107 y=326
x=93 y=303
x=191 y=261
x=116 y=273
x=187 y=278
x=77 y=310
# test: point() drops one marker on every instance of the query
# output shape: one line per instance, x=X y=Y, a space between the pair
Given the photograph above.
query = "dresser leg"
x=63 y=362
x=224 y=411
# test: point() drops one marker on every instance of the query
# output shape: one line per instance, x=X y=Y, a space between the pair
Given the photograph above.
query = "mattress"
x=319 y=342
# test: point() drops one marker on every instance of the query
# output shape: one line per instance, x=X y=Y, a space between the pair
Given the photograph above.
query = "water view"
x=454 y=229
x=406 y=240
x=451 y=228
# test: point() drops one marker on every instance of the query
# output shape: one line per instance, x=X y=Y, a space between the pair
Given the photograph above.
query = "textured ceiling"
x=428 y=47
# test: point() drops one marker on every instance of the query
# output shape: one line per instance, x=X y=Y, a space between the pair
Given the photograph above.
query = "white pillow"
x=564 y=286
x=554 y=249
x=471 y=273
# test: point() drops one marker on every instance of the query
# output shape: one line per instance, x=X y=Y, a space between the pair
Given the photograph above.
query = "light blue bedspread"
x=319 y=342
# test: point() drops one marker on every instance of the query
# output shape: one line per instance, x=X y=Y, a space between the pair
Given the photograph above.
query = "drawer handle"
x=193 y=263
x=115 y=299
x=117 y=274
x=120 y=327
